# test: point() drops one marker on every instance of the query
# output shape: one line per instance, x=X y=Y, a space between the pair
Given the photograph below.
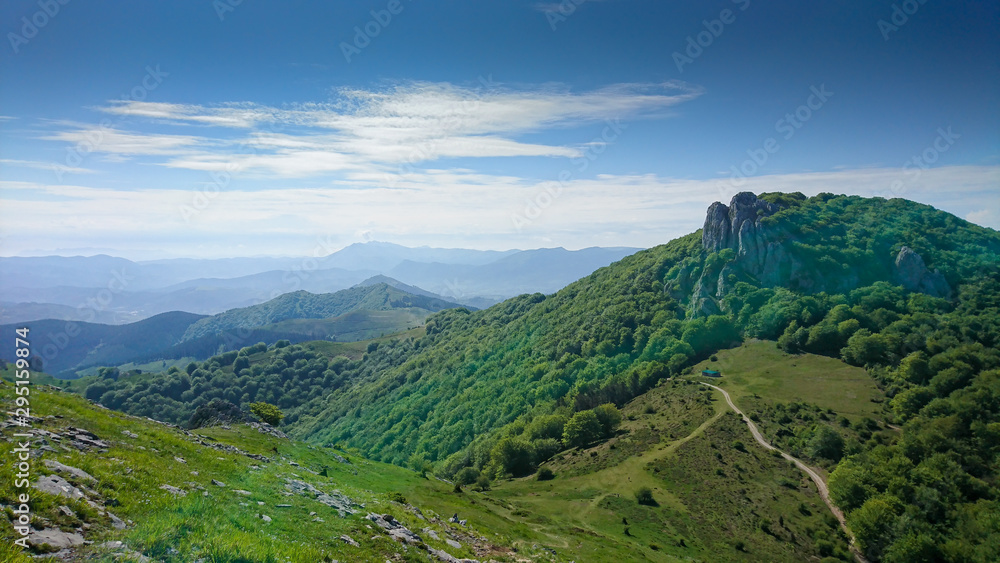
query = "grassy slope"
x=673 y=440
x=224 y=526
x=760 y=368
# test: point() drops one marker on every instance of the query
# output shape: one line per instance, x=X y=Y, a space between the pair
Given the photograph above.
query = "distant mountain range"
x=113 y=290
x=377 y=306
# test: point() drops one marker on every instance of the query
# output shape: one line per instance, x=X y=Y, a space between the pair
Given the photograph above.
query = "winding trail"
x=824 y=492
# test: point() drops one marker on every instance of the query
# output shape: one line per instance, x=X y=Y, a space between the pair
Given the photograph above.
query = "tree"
x=873 y=523
x=513 y=456
x=582 y=429
x=610 y=417
x=826 y=443
x=644 y=495
x=467 y=476
x=267 y=412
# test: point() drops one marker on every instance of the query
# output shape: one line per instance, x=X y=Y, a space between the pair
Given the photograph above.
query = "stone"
x=179 y=459
x=218 y=483
x=55 y=485
x=453 y=543
x=130 y=434
x=55 y=538
x=394 y=529
x=912 y=273
x=72 y=471
x=349 y=541
x=174 y=490
x=242 y=492
x=265 y=517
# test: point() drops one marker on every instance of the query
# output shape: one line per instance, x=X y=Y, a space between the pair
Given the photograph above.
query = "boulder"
x=55 y=538
x=55 y=485
x=66 y=469
x=912 y=273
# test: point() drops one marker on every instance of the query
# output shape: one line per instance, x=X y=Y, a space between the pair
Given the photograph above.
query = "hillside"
x=910 y=293
x=121 y=488
x=305 y=305
x=68 y=345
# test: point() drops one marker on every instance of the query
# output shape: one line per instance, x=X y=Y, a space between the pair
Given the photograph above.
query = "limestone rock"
x=55 y=538
x=72 y=471
x=55 y=485
x=912 y=273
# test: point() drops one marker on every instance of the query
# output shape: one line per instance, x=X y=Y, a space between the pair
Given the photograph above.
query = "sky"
x=217 y=128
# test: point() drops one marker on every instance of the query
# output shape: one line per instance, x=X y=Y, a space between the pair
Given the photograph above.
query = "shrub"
x=738 y=445
x=467 y=476
x=395 y=496
x=545 y=474
x=483 y=483
x=267 y=412
x=217 y=411
x=645 y=496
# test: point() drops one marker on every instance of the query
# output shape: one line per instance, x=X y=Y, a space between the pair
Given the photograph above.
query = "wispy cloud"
x=373 y=129
x=51 y=166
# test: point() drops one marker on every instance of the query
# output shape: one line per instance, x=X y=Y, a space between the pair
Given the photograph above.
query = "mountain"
x=305 y=305
x=63 y=346
x=903 y=298
x=106 y=289
x=11 y=313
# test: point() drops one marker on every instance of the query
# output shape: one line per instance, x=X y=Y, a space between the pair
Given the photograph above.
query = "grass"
x=760 y=368
x=678 y=440
x=224 y=526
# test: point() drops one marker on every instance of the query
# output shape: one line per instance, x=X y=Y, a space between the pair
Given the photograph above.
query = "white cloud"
x=367 y=129
x=91 y=138
x=52 y=166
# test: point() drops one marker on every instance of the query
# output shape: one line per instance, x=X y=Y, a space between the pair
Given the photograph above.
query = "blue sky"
x=226 y=128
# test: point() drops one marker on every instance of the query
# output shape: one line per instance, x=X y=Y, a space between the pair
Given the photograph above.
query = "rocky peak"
x=912 y=273
x=732 y=226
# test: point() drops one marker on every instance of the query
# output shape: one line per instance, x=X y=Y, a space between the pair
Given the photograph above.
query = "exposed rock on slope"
x=913 y=274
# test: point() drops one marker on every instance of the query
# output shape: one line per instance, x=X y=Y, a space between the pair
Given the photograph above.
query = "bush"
x=582 y=429
x=545 y=474
x=217 y=411
x=514 y=456
x=483 y=483
x=395 y=496
x=267 y=412
x=466 y=476
x=738 y=445
x=645 y=496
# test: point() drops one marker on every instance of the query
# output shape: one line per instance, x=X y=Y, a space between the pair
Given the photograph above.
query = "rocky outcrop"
x=911 y=272
x=738 y=225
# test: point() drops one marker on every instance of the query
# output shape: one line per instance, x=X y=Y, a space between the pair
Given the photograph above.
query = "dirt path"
x=824 y=492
